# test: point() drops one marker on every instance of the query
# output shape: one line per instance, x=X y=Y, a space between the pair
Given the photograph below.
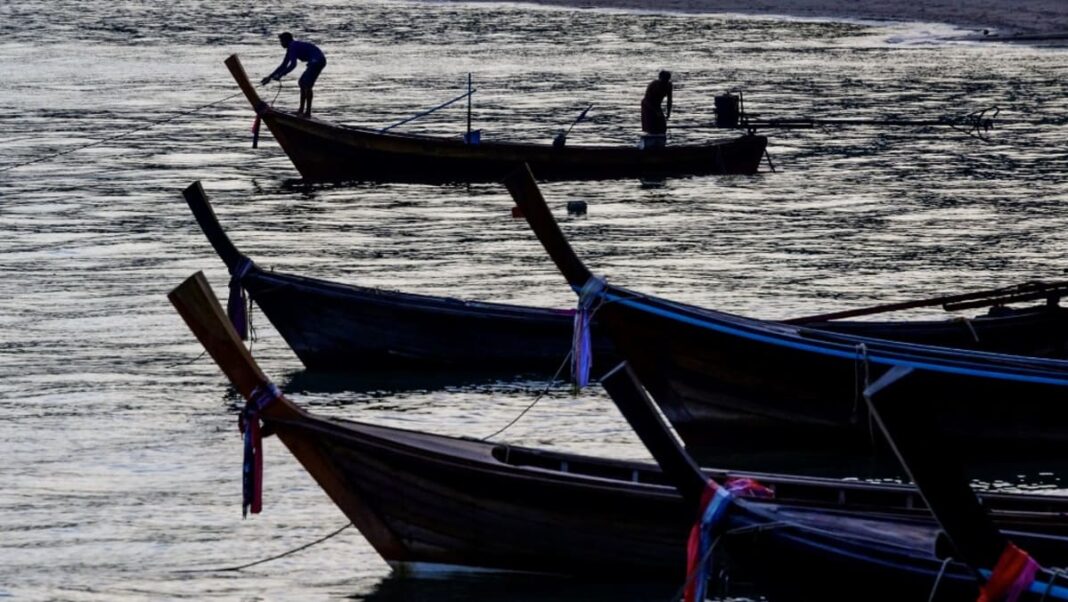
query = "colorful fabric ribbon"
x=714 y=504
x=252 y=467
x=256 y=132
x=581 y=346
x=746 y=487
x=237 y=303
x=1012 y=576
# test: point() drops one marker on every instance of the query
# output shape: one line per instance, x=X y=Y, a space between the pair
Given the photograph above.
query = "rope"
x=151 y=124
x=860 y=360
x=971 y=328
x=556 y=376
x=192 y=361
x=938 y=579
x=862 y=354
x=282 y=555
x=735 y=531
x=1054 y=574
x=276 y=93
x=544 y=392
x=253 y=335
x=682 y=590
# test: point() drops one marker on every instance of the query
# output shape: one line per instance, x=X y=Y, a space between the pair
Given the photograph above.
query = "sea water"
x=121 y=458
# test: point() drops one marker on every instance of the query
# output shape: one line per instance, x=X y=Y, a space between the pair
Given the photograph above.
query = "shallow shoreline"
x=1027 y=21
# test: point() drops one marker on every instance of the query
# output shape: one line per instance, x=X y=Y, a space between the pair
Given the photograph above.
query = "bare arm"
x=288 y=64
x=667 y=114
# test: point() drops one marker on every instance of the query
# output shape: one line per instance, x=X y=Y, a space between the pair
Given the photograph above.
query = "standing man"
x=654 y=119
x=303 y=51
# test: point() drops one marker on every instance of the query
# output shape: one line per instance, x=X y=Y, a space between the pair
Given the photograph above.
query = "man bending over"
x=297 y=50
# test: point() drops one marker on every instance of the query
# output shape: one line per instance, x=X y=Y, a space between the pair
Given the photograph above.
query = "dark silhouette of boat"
x=323 y=151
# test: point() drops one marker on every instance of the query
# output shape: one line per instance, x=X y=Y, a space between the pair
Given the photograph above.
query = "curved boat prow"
x=527 y=196
x=199 y=204
x=197 y=305
x=238 y=71
x=201 y=311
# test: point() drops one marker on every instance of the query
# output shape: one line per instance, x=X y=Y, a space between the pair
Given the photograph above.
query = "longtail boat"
x=1006 y=569
x=334 y=327
x=339 y=327
x=735 y=382
x=430 y=502
x=323 y=151
x=828 y=556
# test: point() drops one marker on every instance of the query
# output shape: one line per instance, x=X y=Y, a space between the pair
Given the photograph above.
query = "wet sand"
x=995 y=20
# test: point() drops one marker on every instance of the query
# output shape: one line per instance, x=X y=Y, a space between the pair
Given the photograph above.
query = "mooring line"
x=276 y=557
x=117 y=136
x=544 y=392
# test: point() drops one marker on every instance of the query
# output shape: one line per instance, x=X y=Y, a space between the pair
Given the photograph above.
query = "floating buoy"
x=576 y=207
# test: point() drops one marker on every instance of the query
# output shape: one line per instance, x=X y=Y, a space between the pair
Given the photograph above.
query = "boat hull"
x=327 y=152
x=334 y=327
x=471 y=505
x=338 y=327
x=729 y=384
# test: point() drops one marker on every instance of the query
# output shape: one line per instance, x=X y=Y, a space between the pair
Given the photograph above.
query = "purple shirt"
x=303 y=51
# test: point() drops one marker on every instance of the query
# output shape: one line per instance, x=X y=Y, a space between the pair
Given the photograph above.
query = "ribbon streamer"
x=1012 y=576
x=714 y=504
x=252 y=430
x=237 y=302
x=256 y=132
x=581 y=346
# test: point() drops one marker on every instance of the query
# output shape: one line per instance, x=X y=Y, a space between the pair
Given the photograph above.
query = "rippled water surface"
x=120 y=454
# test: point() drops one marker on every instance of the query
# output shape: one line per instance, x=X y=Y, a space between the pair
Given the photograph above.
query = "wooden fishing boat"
x=739 y=383
x=821 y=555
x=333 y=326
x=430 y=502
x=1007 y=570
x=324 y=151
x=340 y=327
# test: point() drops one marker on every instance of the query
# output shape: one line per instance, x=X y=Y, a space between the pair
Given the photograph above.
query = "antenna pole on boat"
x=429 y=111
x=468 y=107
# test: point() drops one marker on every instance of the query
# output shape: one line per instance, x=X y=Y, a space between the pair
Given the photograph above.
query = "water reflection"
x=520 y=588
x=112 y=424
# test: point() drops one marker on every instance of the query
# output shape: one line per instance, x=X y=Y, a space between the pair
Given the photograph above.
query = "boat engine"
x=728 y=110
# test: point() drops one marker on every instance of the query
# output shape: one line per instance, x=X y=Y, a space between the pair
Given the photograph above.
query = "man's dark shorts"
x=307 y=79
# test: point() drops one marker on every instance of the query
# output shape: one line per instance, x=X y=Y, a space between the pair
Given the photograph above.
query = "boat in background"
x=329 y=152
x=339 y=327
x=427 y=502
